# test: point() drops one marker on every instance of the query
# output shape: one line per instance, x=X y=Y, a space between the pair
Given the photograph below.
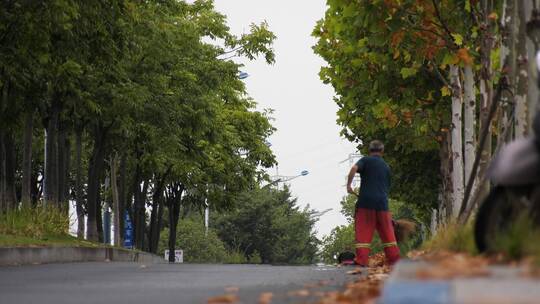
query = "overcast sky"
x=305 y=114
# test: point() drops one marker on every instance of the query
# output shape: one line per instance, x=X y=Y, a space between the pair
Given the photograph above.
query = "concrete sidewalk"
x=504 y=284
x=46 y=255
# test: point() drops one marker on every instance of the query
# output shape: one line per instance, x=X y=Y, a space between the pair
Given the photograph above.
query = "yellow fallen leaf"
x=232 y=289
x=299 y=293
x=266 y=298
x=355 y=271
x=223 y=299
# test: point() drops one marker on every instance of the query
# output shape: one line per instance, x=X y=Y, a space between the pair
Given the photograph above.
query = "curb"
x=46 y=255
x=504 y=285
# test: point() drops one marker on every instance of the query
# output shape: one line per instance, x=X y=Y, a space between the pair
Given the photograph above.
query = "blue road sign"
x=128 y=232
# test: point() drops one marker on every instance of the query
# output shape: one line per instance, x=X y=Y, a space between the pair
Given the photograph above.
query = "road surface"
x=132 y=283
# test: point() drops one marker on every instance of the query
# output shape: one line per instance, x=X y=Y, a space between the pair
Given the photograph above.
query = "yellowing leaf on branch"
x=445 y=91
x=408 y=72
x=493 y=16
x=464 y=56
x=397 y=38
x=449 y=59
x=458 y=39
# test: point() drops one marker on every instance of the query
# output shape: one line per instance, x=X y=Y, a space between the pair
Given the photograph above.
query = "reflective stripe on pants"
x=366 y=221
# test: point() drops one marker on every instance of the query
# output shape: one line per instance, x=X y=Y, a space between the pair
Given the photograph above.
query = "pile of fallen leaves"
x=364 y=290
x=446 y=265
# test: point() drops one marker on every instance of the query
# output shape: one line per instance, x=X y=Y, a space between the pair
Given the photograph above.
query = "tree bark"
x=95 y=170
x=79 y=200
x=521 y=73
x=11 y=193
x=486 y=89
x=508 y=64
x=457 y=141
x=99 y=218
x=62 y=168
x=173 y=203
x=115 y=199
x=26 y=187
x=469 y=120
x=157 y=213
x=139 y=207
x=51 y=165
x=122 y=203
x=532 y=94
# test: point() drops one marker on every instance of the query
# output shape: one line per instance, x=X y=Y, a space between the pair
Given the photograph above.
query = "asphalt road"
x=132 y=283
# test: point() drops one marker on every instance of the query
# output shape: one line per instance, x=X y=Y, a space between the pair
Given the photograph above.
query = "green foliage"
x=36 y=223
x=267 y=225
x=385 y=61
x=150 y=81
x=198 y=247
x=340 y=239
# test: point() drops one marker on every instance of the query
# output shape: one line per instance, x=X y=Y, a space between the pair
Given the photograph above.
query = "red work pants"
x=366 y=221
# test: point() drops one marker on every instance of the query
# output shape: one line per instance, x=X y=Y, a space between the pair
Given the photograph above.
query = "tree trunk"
x=139 y=208
x=79 y=184
x=95 y=170
x=532 y=94
x=457 y=141
x=122 y=203
x=136 y=206
x=157 y=213
x=51 y=165
x=173 y=203
x=486 y=90
x=11 y=193
x=60 y=160
x=508 y=64
x=469 y=121
x=116 y=204
x=99 y=218
x=521 y=73
x=26 y=188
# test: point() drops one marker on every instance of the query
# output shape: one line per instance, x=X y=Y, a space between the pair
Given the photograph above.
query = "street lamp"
x=320 y=213
x=243 y=75
x=283 y=179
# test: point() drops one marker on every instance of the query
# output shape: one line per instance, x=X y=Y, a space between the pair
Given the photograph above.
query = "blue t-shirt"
x=374 y=183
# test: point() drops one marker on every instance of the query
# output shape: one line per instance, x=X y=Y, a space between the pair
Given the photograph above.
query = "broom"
x=403 y=229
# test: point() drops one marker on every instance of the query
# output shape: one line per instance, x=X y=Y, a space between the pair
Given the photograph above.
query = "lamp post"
x=283 y=179
x=243 y=75
x=318 y=214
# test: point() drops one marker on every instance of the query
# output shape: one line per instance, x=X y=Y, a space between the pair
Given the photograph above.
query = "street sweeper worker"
x=372 y=205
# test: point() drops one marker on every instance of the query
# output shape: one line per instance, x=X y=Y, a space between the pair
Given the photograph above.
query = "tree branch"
x=439 y=17
x=502 y=86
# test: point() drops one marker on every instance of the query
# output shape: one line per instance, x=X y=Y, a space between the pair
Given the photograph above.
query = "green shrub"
x=38 y=223
x=255 y=258
x=235 y=257
x=198 y=247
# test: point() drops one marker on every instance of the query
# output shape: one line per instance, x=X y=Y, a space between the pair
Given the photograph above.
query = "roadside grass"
x=40 y=226
x=522 y=240
x=453 y=237
x=59 y=241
